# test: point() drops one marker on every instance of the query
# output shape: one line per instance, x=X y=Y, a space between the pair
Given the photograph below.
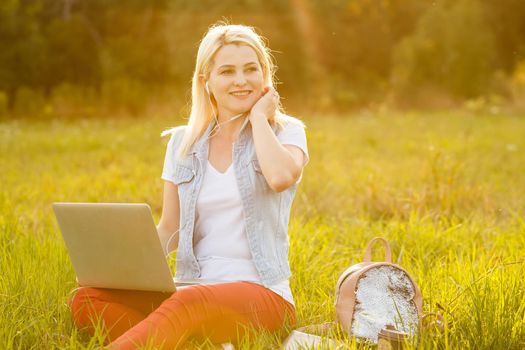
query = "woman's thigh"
x=222 y=312
x=142 y=301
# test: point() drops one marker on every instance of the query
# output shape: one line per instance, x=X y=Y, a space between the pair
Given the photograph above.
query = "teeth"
x=242 y=93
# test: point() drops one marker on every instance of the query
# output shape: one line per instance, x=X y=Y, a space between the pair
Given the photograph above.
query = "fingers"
x=271 y=92
x=268 y=102
x=276 y=97
x=267 y=90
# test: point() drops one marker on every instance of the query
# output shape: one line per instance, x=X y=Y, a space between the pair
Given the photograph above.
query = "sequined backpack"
x=373 y=299
x=372 y=296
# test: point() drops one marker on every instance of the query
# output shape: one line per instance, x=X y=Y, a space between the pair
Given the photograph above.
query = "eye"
x=252 y=69
x=227 y=71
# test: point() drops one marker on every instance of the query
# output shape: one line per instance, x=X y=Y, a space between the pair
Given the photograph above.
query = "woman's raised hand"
x=266 y=106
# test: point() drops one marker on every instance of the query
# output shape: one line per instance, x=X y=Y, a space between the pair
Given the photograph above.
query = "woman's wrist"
x=257 y=116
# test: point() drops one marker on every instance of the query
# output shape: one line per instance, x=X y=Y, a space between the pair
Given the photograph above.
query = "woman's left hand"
x=266 y=106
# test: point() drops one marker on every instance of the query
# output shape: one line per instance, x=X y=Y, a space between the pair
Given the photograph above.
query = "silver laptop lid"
x=114 y=245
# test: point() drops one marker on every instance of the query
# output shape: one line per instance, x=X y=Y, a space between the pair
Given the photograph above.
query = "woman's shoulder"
x=286 y=120
x=176 y=134
x=177 y=131
x=176 y=137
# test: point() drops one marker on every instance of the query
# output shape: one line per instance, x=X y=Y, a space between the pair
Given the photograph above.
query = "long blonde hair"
x=202 y=110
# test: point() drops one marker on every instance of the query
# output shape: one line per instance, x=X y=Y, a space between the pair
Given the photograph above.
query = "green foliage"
x=21 y=47
x=359 y=39
x=452 y=49
x=505 y=18
x=72 y=55
x=445 y=189
x=334 y=55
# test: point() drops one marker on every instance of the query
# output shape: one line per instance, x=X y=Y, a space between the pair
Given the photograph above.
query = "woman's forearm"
x=278 y=165
x=167 y=235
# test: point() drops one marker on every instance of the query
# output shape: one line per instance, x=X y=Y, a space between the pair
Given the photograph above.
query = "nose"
x=240 y=79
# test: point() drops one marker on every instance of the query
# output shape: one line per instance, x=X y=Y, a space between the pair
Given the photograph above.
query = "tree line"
x=334 y=52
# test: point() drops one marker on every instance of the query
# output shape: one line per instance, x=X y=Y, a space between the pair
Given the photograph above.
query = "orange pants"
x=220 y=312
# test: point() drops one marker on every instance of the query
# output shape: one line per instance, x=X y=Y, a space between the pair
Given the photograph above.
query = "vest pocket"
x=183 y=174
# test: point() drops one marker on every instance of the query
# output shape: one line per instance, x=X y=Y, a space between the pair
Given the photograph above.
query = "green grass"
x=447 y=189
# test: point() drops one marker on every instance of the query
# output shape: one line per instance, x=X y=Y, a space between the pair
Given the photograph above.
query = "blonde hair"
x=202 y=110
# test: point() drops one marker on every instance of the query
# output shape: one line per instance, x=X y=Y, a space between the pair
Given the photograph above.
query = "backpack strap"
x=386 y=245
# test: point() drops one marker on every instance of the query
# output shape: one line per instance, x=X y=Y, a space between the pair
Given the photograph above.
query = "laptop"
x=116 y=245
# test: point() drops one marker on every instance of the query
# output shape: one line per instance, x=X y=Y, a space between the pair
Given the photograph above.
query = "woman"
x=230 y=178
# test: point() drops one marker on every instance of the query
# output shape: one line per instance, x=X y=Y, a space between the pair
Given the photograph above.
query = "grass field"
x=447 y=189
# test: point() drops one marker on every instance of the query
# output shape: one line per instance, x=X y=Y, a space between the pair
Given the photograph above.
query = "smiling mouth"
x=241 y=93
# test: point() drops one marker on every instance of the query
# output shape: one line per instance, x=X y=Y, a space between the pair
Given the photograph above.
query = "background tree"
x=331 y=54
x=451 y=49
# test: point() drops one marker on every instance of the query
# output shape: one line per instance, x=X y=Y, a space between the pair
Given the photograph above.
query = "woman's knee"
x=82 y=297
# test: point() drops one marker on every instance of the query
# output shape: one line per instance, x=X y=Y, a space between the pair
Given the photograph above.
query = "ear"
x=203 y=81
x=202 y=78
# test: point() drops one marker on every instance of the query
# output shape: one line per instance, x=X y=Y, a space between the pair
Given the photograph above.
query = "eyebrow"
x=232 y=66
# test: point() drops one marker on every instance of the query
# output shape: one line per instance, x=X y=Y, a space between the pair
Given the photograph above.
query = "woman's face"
x=236 y=79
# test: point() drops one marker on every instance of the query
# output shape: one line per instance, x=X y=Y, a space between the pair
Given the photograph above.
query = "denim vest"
x=266 y=212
